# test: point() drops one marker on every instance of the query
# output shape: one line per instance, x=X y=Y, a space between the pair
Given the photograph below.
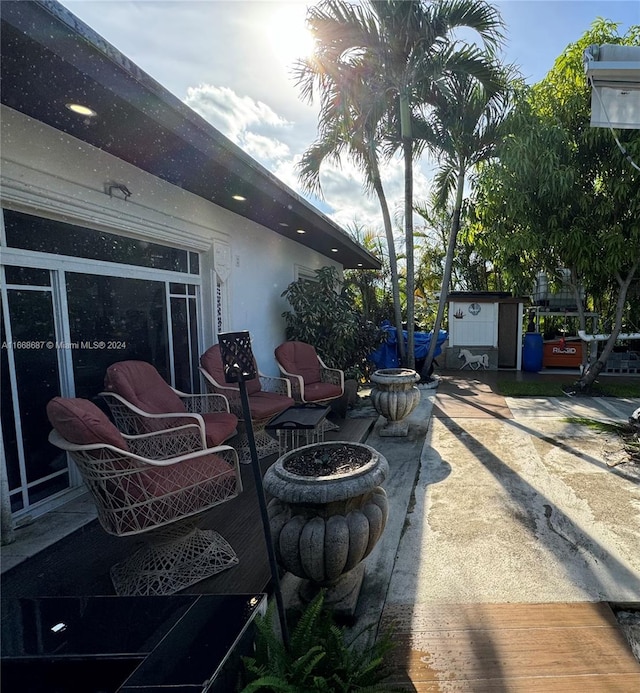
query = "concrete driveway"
x=514 y=504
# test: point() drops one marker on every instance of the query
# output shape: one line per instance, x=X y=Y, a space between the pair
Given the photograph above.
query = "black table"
x=299 y=425
x=176 y=644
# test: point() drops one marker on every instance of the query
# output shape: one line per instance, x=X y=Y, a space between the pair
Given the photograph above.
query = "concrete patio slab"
x=520 y=510
x=598 y=408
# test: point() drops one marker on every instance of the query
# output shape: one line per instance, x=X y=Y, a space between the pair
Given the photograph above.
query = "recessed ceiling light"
x=81 y=110
x=300 y=231
x=359 y=264
x=334 y=250
x=283 y=223
x=240 y=198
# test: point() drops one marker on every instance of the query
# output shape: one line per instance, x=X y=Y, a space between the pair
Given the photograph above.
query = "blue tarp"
x=386 y=355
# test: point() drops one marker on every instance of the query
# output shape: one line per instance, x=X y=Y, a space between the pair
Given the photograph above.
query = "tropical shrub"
x=318 y=659
x=324 y=315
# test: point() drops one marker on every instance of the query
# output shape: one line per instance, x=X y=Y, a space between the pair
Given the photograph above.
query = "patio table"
x=299 y=425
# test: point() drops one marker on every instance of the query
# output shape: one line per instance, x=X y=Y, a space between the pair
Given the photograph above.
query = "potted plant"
x=327 y=513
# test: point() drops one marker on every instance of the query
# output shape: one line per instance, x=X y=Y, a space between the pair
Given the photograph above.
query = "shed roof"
x=486 y=297
x=51 y=58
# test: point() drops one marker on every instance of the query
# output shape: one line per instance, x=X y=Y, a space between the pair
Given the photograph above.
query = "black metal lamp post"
x=239 y=366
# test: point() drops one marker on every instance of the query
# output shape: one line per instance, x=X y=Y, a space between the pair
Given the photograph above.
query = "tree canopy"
x=561 y=193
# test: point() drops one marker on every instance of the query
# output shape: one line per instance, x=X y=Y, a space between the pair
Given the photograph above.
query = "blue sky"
x=230 y=60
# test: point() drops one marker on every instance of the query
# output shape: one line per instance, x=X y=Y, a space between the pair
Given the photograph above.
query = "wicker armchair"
x=311 y=380
x=141 y=401
x=154 y=484
x=267 y=397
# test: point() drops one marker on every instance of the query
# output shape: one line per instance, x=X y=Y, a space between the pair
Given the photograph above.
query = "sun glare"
x=289 y=37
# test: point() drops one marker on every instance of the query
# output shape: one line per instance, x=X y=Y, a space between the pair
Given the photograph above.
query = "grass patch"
x=542 y=388
x=619 y=389
x=529 y=388
x=600 y=426
x=626 y=432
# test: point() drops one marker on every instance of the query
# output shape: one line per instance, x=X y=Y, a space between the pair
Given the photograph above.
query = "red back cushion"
x=211 y=361
x=79 y=421
x=141 y=384
x=301 y=359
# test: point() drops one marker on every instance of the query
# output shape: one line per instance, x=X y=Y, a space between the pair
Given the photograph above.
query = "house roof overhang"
x=50 y=58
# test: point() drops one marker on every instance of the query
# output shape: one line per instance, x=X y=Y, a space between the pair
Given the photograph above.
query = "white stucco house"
x=130 y=230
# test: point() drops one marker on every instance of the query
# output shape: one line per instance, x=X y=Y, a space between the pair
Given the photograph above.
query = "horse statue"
x=474 y=361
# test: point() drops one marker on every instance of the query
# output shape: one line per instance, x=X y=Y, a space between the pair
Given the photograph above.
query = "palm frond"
x=480 y=16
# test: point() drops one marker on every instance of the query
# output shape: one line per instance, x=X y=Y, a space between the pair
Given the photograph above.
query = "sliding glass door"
x=66 y=319
x=115 y=319
x=30 y=378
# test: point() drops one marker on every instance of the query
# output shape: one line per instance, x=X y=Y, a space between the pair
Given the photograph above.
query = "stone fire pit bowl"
x=327 y=515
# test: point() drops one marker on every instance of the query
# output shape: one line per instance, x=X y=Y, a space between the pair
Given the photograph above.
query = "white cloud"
x=231 y=113
x=264 y=149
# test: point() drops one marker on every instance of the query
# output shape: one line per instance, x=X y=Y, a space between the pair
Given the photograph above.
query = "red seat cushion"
x=160 y=481
x=79 y=421
x=320 y=391
x=219 y=426
x=211 y=361
x=141 y=384
x=264 y=405
x=300 y=359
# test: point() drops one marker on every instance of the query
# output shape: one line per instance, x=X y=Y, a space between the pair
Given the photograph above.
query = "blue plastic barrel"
x=532 y=352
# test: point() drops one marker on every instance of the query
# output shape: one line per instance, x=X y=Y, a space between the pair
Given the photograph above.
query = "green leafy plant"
x=324 y=315
x=318 y=659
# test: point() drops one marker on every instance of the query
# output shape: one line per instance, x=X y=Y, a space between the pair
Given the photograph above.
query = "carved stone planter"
x=394 y=395
x=326 y=520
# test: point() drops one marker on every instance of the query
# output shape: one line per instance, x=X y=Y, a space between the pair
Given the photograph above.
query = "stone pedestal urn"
x=394 y=395
x=327 y=513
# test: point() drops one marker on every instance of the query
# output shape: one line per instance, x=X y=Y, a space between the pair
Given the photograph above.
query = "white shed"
x=484 y=330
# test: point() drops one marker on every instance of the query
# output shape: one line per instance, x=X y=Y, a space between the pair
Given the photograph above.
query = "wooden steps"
x=523 y=648
x=353 y=430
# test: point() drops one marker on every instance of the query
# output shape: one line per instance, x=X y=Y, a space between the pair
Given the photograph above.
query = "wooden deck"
x=80 y=563
x=514 y=648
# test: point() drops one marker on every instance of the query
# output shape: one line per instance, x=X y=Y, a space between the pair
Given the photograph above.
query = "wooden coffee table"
x=299 y=425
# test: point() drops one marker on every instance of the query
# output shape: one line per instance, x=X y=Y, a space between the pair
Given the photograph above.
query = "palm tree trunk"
x=408 y=231
x=407 y=147
x=393 y=259
x=446 y=279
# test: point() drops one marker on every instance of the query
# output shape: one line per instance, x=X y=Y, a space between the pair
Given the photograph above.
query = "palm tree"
x=404 y=48
x=464 y=129
x=349 y=119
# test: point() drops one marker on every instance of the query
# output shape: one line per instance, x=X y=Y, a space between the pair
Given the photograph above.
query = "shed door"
x=507 y=335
